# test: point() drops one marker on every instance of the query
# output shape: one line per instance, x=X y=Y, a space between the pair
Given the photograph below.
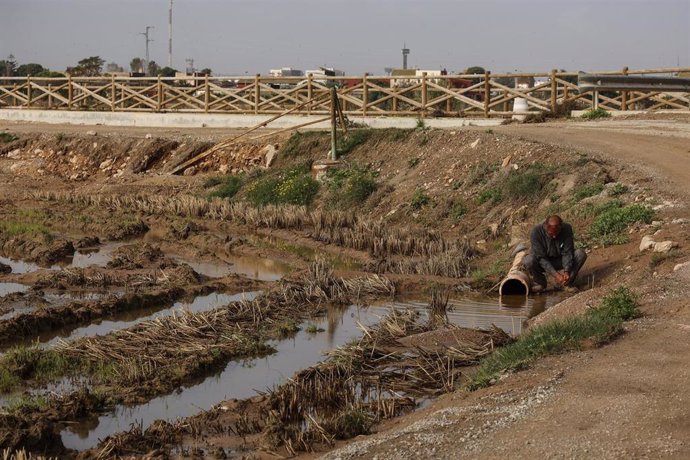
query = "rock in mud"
x=58 y=250
x=665 y=246
x=647 y=243
x=87 y=242
x=5 y=268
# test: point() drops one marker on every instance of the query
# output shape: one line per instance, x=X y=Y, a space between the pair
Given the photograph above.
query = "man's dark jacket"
x=544 y=248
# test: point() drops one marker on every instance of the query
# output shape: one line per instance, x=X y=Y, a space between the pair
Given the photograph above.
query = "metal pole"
x=170 y=35
x=334 y=101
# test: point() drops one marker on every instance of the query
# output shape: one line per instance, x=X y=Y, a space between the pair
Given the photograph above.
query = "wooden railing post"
x=14 y=95
x=50 y=96
x=112 y=92
x=159 y=94
x=365 y=94
x=206 y=94
x=624 y=94
x=554 y=92
x=257 y=93
x=310 y=92
x=487 y=93
x=70 y=92
x=424 y=95
x=28 y=91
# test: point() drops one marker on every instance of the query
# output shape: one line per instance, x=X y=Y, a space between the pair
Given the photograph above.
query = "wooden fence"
x=479 y=95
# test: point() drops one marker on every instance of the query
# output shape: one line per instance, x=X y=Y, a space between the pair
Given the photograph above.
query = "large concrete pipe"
x=517 y=280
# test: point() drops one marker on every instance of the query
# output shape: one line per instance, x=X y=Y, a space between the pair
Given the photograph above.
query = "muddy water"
x=338 y=262
x=11 y=288
x=238 y=380
x=480 y=312
x=21 y=267
x=258 y=268
x=96 y=256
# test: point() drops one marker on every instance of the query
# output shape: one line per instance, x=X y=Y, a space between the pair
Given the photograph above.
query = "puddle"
x=21 y=267
x=480 y=312
x=258 y=268
x=337 y=261
x=238 y=380
x=11 y=288
x=96 y=256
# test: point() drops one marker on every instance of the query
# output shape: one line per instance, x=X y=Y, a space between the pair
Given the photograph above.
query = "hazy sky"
x=238 y=36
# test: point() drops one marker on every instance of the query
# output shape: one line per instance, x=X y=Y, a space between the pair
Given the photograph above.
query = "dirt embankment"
x=435 y=195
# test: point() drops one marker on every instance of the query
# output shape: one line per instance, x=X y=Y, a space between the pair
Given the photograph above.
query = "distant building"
x=418 y=73
x=286 y=72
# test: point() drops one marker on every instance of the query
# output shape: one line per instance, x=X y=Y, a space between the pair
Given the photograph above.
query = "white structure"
x=285 y=72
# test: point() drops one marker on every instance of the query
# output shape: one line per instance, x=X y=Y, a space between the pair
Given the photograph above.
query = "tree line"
x=92 y=66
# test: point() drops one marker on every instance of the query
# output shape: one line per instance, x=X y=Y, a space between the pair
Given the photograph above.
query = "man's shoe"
x=571 y=289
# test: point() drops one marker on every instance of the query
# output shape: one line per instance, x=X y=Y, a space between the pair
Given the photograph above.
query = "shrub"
x=354 y=138
x=294 y=186
x=618 y=189
x=492 y=195
x=6 y=137
x=351 y=186
x=523 y=185
x=593 y=114
x=610 y=224
x=459 y=209
x=227 y=188
x=586 y=191
x=419 y=199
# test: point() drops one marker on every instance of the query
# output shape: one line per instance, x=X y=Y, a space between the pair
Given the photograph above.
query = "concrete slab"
x=212 y=120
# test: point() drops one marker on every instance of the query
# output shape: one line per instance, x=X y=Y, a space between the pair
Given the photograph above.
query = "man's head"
x=553 y=226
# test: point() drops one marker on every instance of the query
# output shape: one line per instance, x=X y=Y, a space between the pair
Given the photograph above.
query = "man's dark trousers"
x=537 y=272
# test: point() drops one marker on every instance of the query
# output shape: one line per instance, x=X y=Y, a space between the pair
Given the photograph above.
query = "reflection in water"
x=238 y=380
x=21 y=267
x=11 y=288
x=480 y=312
x=258 y=268
x=98 y=256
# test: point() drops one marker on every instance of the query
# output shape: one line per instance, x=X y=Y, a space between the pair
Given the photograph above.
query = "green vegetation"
x=484 y=278
x=10 y=229
x=6 y=137
x=424 y=140
x=287 y=328
x=293 y=186
x=489 y=131
x=659 y=258
x=588 y=190
x=296 y=143
x=354 y=422
x=419 y=199
x=594 y=114
x=600 y=324
x=527 y=183
x=421 y=125
x=350 y=186
x=610 y=225
x=227 y=187
x=354 y=138
x=25 y=362
x=59 y=137
x=397 y=134
x=491 y=195
x=618 y=189
x=313 y=329
x=413 y=162
x=458 y=210
x=27 y=403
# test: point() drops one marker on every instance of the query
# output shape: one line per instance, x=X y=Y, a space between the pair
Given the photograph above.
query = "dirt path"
x=661 y=147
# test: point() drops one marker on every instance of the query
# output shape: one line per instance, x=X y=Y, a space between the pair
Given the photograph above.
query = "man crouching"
x=553 y=253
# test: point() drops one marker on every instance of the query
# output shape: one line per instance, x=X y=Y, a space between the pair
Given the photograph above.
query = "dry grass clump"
x=454 y=263
x=334 y=227
x=9 y=454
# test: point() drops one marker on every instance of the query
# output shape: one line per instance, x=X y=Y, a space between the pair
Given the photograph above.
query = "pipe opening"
x=513 y=286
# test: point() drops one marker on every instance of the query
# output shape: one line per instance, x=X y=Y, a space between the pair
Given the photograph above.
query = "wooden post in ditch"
x=334 y=101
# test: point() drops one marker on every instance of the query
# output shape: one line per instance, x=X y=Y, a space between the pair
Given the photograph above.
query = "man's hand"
x=562 y=278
